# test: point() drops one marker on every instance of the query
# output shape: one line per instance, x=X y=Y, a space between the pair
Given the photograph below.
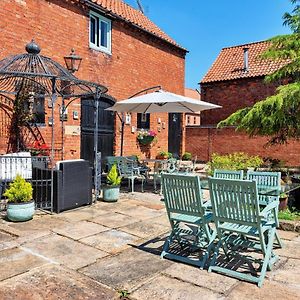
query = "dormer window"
x=100 y=33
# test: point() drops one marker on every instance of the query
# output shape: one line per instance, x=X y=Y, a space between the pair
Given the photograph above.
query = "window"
x=100 y=33
x=195 y=120
x=143 y=121
x=188 y=120
x=36 y=107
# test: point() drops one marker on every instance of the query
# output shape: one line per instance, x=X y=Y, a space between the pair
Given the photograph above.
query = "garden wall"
x=203 y=142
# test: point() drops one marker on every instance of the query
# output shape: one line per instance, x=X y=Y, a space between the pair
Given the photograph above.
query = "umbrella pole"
x=122 y=133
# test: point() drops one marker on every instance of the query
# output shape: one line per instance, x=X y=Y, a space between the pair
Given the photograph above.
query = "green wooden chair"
x=183 y=201
x=128 y=169
x=228 y=174
x=268 y=179
x=241 y=225
x=169 y=166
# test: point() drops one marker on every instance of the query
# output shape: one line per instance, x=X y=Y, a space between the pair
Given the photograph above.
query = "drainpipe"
x=246 y=59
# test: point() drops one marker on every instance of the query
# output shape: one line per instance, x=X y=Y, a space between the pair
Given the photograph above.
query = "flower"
x=144 y=133
x=39 y=148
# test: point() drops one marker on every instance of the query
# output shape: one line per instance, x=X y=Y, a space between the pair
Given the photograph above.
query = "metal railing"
x=35 y=169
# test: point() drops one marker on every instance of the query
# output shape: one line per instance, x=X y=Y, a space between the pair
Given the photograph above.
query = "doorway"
x=174 y=135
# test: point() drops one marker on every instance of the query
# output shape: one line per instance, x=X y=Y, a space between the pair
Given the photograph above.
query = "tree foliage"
x=278 y=116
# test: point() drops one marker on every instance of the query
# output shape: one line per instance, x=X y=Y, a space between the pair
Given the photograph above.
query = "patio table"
x=264 y=190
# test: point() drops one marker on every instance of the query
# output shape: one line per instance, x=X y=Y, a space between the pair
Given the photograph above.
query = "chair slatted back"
x=182 y=194
x=126 y=167
x=228 y=174
x=268 y=179
x=265 y=178
x=234 y=201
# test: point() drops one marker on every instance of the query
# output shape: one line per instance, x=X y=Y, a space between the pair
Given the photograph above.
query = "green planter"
x=146 y=140
x=111 y=193
x=20 y=212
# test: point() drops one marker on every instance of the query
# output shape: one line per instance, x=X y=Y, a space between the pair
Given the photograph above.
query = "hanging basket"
x=146 y=140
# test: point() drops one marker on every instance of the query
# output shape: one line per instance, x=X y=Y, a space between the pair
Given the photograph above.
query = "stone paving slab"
x=126 y=270
x=147 y=204
x=139 y=212
x=79 y=230
x=212 y=281
x=289 y=273
x=4 y=237
x=269 y=290
x=37 y=224
x=53 y=283
x=290 y=249
x=163 y=220
x=16 y=261
x=60 y=249
x=287 y=235
x=144 y=229
x=81 y=214
x=114 y=220
x=165 y=288
x=111 y=241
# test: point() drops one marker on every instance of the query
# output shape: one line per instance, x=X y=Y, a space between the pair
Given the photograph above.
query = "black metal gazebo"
x=31 y=74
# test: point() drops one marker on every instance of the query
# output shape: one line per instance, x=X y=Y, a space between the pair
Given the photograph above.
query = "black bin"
x=73 y=185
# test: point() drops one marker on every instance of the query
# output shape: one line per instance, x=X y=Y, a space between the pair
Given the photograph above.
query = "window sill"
x=100 y=50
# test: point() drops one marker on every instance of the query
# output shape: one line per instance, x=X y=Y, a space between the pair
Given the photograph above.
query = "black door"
x=105 y=133
x=174 y=138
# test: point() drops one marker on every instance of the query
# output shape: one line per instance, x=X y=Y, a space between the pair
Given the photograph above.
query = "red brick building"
x=121 y=49
x=192 y=119
x=234 y=81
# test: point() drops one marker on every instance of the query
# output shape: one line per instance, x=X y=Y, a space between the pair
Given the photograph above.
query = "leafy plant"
x=291 y=215
x=283 y=195
x=19 y=191
x=123 y=294
x=234 y=161
x=164 y=154
x=187 y=156
x=113 y=177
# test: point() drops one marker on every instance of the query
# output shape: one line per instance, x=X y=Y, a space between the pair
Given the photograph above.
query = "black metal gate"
x=105 y=132
x=174 y=136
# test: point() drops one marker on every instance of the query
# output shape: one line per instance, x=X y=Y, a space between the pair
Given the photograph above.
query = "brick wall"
x=233 y=95
x=205 y=141
x=138 y=61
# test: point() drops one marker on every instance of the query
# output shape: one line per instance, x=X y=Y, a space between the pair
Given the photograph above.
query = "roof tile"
x=134 y=16
x=229 y=64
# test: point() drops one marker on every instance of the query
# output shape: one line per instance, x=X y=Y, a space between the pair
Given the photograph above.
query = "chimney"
x=246 y=59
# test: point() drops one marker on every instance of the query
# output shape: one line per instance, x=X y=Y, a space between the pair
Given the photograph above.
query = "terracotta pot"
x=283 y=203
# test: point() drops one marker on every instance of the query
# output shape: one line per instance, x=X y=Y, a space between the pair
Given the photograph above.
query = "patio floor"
x=95 y=251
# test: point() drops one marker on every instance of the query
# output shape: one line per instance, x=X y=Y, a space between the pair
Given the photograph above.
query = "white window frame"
x=108 y=22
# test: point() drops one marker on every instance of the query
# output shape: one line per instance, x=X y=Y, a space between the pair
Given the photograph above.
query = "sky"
x=204 y=27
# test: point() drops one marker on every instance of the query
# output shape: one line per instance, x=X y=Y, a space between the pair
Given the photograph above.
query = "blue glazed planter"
x=111 y=193
x=20 y=212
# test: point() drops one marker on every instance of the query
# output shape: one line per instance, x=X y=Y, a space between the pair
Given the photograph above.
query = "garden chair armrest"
x=270 y=206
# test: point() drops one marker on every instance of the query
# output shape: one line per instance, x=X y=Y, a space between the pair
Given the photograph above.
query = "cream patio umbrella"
x=158 y=102
x=161 y=101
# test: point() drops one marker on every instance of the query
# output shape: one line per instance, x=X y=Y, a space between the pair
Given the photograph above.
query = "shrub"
x=234 y=161
x=113 y=177
x=19 y=191
x=165 y=154
x=187 y=156
x=291 y=215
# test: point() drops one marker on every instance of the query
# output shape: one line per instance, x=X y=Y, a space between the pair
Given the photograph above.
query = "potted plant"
x=146 y=137
x=111 y=190
x=164 y=155
x=283 y=201
x=187 y=156
x=20 y=206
